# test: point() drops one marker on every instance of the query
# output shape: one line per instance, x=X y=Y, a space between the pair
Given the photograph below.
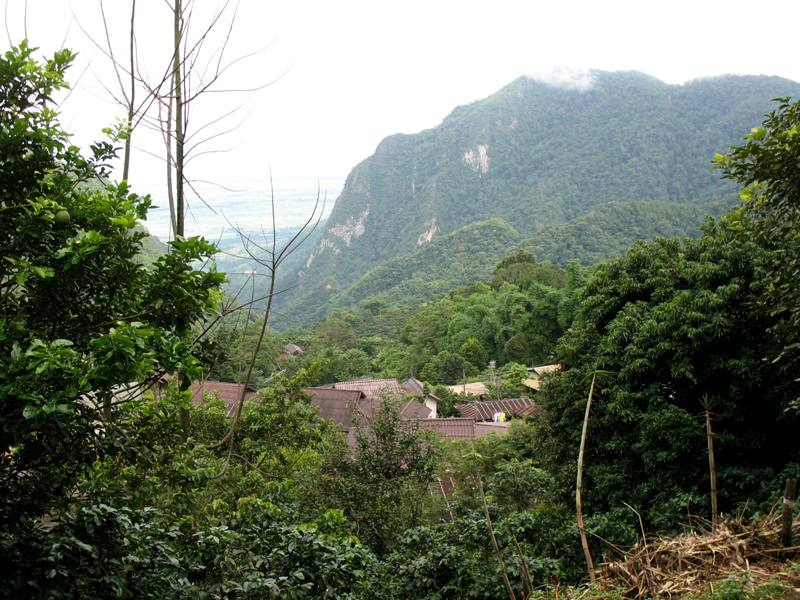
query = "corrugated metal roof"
x=486 y=409
x=227 y=392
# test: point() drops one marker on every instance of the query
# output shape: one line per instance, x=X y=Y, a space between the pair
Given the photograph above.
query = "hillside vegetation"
x=536 y=156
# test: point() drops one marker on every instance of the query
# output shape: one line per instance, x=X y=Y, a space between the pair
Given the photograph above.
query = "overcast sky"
x=348 y=73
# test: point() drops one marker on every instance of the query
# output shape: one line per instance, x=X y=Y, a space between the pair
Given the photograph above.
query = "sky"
x=339 y=76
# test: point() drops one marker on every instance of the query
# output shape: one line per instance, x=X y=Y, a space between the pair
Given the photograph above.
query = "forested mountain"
x=536 y=155
x=470 y=253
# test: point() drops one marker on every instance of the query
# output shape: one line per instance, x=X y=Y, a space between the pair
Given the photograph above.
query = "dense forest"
x=110 y=489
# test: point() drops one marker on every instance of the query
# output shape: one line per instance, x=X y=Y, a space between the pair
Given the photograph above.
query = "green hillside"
x=470 y=253
x=535 y=156
x=611 y=229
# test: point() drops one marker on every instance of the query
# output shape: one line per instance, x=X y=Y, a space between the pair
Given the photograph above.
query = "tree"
x=766 y=165
x=382 y=483
x=473 y=352
x=446 y=367
x=672 y=322
x=79 y=315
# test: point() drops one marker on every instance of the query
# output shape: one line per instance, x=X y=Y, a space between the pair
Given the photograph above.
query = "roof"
x=372 y=388
x=346 y=406
x=542 y=369
x=458 y=428
x=227 y=392
x=413 y=386
x=488 y=427
x=292 y=349
x=470 y=389
x=415 y=410
x=486 y=409
x=461 y=428
x=532 y=383
x=337 y=405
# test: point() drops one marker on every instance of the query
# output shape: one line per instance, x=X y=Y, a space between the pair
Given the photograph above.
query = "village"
x=353 y=403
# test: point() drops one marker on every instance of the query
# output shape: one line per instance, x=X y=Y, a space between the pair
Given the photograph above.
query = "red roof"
x=227 y=392
x=485 y=410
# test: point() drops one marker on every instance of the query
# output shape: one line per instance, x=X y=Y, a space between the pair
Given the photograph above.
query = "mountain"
x=536 y=156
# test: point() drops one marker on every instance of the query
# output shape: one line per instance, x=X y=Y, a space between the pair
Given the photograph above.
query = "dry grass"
x=691 y=564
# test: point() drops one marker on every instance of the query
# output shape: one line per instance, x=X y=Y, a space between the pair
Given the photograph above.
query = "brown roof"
x=415 y=410
x=529 y=411
x=461 y=428
x=337 y=405
x=457 y=428
x=488 y=427
x=292 y=349
x=227 y=392
x=414 y=386
x=485 y=410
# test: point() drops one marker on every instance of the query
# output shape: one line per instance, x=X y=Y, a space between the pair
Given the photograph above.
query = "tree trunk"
x=712 y=469
x=579 y=485
x=177 y=79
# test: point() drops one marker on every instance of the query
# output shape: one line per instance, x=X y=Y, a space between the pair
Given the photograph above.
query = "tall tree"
x=80 y=317
x=766 y=164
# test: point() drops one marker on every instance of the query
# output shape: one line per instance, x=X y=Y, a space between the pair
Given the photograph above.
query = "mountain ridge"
x=536 y=155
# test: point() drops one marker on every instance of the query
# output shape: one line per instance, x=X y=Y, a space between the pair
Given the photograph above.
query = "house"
x=417 y=389
x=544 y=369
x=384 y=388
x=487 y=409
x=343 y=406
x=353 y=403
x=229 y=393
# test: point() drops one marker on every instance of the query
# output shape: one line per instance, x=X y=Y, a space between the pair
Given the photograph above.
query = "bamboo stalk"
x=712 y=465
x=497 y=550
x=579 y=485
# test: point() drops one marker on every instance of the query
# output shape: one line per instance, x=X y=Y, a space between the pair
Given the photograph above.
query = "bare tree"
x=195 y=67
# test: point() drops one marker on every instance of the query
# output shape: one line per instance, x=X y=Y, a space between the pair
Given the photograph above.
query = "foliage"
x=79 y=316
x=97 y=551
x=381 y=484
x=553 y=155
x=766 y=165
x=447 y=367
x=671 y=323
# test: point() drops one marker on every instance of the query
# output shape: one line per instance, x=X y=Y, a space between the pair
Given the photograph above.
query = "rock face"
x=535 y=154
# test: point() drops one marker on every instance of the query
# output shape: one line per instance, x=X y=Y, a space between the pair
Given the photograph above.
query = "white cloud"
x=568 y=78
